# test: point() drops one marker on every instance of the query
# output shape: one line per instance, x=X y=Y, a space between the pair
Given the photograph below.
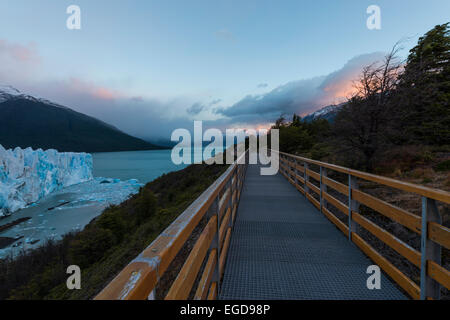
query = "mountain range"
x=27 y=121
x=328 y=113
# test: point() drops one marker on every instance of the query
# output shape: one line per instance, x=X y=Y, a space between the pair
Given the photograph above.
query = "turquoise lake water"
x=144 y=166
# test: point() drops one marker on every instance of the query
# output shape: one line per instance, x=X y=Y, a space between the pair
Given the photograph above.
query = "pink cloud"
x=104 y=93
x=21 y=53
x=18 y=62
x=92 y=89
x=340 y=85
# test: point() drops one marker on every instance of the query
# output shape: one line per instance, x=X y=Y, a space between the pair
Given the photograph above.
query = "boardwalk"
x=265 y=240
x=283 y=248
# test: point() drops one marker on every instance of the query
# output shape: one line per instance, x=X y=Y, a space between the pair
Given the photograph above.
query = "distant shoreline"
x=151 y=149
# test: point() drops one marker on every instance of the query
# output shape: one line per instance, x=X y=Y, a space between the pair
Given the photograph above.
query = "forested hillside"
x=398 y=119
x=28 y=122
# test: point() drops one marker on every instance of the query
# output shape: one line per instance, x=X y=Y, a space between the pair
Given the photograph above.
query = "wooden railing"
x=219 y=204
x=429 y=227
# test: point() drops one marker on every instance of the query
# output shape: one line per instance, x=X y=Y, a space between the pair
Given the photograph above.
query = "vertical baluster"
x=321 y=190
x=430 y=250
x=281 y=163
x=295 y=171
x=323 y=187
x=292 y=167
x=230 y=202
x=238 y=177
x=288 y=168
x=214 y=210
x=240 y=180
x=306 y=177
x=353 y=205
x=285 y=159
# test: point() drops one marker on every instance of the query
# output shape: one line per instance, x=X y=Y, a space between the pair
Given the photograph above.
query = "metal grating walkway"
x=282 y=247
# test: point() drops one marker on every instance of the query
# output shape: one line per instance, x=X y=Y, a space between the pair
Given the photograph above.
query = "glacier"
x=27 y=175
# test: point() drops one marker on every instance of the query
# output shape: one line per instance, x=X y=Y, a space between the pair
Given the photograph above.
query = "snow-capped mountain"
x=9 y=92
x=328 y=113
x=29 y=121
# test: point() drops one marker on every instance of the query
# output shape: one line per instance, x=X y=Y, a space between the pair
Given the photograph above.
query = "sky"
x=150 y=66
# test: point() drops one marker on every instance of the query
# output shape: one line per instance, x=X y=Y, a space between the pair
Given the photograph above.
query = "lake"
x=144 y=166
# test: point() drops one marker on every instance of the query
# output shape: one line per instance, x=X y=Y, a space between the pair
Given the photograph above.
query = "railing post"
x=240 y=181
x=230 y=202
x=286 y=166
x=290 y=169
x=430 y=250
x=295 y=171
x=238 y=177
x=323 y=186
x=352 y=205
x=215 y=244
x=306 y=177
x=280 y=159
x=321 y=190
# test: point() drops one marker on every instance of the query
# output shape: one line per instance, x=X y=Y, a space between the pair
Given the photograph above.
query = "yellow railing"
x=429 y=226
x=219 y=204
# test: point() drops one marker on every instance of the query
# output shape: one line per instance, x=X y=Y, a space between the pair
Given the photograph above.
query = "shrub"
x=426 y=180
x=443 y=166
x=145 y=204
x=90 y=246
x=113 y=220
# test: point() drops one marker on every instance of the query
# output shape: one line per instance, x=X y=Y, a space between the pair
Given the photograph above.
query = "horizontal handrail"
x=187 y=275
x=433 y=234
x=140 y=277
x=431 y=193
x=397 y=214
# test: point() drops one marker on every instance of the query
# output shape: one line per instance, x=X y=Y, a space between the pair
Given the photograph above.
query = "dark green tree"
x=295 y=139
x=296 y=120
x=362 y=127
x=146 y=204
x=423 y=95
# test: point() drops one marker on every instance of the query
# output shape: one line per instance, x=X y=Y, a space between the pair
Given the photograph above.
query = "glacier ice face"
x=27 y=175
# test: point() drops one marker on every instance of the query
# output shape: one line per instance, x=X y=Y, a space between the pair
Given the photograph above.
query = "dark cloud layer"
x=198 y=107
x=155 y=119
x=300 y=96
